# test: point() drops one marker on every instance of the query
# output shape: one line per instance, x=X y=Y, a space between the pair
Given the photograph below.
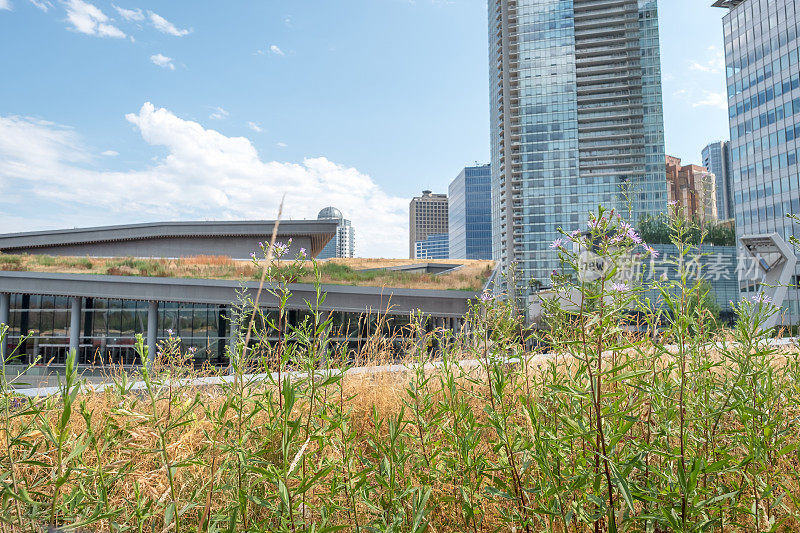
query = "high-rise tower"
x=576 y=120
x=427 y=215
x=344 y=243
x=763 y=78
x=470 y=214
x=717 y=159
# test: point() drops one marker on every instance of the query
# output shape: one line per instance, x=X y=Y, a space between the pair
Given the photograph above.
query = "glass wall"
x=762 y=56
x=45 y=321
x=470 y=214
x=576 y=121
x=39 y=329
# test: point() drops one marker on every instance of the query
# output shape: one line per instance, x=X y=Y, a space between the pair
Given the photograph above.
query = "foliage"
x=469 y=278
x=667 y=426
x=657 y=230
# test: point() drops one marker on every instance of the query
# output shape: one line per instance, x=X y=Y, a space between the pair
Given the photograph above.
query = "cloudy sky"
x=134 y=110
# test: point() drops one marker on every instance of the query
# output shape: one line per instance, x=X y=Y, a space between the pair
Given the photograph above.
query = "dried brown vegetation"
x=471 y=276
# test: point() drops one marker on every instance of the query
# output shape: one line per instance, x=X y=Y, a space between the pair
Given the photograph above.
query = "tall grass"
x=671 y=425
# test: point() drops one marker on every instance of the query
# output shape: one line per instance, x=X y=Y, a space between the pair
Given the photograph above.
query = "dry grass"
x=129 y=439
x=334 y=271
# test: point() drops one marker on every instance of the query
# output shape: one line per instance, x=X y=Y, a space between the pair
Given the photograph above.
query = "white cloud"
x=275 y=50
x=282 y=145
x=715 y=65
x=110 y=153
x=224 y=177
x=87 y=18
x=712 y=99
x=162 y=61
x=255 y=126
x=165 y=26
x=129 y=14
x=44 y=5
x=219 y=114
x=5 y=5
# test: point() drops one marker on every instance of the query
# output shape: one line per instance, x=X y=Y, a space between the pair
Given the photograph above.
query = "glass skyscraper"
x=717 y=160
x=470 y=213
x=343 y=243
x=763 y=78
x=435 y=246
x=576 y=120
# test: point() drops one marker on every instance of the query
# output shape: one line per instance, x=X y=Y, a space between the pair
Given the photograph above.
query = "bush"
x=657 y=230
x=44 y=260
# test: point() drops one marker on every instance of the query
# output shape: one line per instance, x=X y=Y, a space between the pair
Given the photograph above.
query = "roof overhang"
x=347 y=298
x=728 y=4
x=319 y=232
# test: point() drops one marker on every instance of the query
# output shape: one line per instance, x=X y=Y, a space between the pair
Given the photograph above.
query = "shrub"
x=44 y=260
x=6 y=259
x=658 y=230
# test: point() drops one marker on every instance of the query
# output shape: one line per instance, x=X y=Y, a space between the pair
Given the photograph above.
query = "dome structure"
x=330 y=213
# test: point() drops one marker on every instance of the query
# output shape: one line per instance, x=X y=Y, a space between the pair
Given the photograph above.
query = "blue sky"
x=129 y=111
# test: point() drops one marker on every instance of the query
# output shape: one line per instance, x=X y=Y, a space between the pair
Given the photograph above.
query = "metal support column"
x=75 y=325
x=5 y=305
x=233 y=338
x=152 y=331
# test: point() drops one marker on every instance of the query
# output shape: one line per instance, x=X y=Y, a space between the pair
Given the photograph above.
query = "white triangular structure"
x=775 y=259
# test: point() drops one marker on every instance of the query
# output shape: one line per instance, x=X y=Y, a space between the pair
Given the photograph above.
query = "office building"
x=576 y=120
x=427 y=215
x=717 y=159
x=343 y=243
x=435 y=246
x=693 y=188
x=763 y=81
x=50 y=309
x=470 y=213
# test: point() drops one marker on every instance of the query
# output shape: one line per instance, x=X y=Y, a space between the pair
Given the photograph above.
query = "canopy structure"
x=776 y=261
x=236 y=239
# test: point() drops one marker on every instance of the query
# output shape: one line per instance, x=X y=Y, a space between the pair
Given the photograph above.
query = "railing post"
x=5 y=304
x=75 y=326
x=152 y=331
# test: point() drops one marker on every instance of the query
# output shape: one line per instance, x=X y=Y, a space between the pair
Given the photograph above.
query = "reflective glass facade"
x=433 y=247
x=343 y=243
x=716 y=158
x=576 y=120
x=39 y=329
x=470 y=213
x=108 y=328
x=763 y=78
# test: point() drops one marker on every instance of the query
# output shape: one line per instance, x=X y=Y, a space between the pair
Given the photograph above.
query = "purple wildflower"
x=762 y=299
x=632 y=235
x=303 y=252
x=653 y=252
x=558 y=243
x=253 y=255
x=486 y=296
x=260 y=244
x=192 y=349
x=619 y=287
x=673 y=203
x=169 y=331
